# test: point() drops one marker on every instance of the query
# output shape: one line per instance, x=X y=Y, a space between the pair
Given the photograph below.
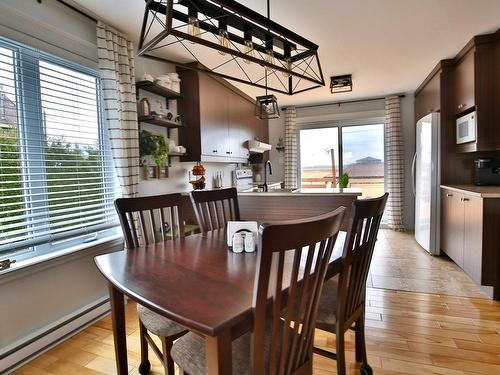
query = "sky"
x=358 y=142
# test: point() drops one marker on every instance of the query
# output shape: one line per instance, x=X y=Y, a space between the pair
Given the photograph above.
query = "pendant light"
x=267 y=105
x=188 y=32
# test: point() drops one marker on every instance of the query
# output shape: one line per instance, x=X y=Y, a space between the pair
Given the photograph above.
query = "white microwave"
x=466 y=128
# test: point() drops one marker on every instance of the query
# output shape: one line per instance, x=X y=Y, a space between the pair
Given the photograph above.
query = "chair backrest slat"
x=364 y=224
x=151 y=219
x=293 y=254
x=210 y=208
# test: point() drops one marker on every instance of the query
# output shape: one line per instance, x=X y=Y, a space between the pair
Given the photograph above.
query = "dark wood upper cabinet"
x=476 y=88
x=220 y=119
x=428 y=95
x=463 y=79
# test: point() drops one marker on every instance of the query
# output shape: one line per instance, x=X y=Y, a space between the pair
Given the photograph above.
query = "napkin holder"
x=236 y=226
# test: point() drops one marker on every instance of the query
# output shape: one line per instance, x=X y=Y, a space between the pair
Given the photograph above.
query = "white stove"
x=243 y=179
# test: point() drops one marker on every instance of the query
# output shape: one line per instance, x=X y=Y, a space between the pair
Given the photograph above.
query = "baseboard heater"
x=48 y=337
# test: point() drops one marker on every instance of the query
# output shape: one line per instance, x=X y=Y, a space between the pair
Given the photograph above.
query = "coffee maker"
x=486 y=171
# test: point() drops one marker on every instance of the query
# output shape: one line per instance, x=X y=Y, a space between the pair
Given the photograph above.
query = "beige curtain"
x=394 y=160
x=291 y=148
x=116 y=65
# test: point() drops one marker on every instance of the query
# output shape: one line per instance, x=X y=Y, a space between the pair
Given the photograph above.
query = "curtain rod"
x=74 y=9
x=339 y=103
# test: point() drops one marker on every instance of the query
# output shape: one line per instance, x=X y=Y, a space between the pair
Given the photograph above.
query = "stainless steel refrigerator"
x=426 y=181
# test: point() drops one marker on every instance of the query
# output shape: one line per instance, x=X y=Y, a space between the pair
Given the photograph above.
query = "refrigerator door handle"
x=413 y=186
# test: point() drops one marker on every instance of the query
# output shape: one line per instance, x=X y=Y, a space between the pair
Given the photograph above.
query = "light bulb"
x=288 y=67
x=268 y=108
x=269 y=59
x=249 y=50
x=223 y=40
x=193 y=27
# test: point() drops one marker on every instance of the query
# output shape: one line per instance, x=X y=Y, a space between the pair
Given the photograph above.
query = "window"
x=57 y=182
x=357 y=150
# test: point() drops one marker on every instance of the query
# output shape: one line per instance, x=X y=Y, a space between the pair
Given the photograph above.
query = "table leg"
x=118 y=317
x=219 y=354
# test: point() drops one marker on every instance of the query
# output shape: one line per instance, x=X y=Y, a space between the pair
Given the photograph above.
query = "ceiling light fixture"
x=266 y=106
x=340 y=84
x=239 y=34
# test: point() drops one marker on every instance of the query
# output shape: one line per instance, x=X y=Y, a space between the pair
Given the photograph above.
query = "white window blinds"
x=57 y=180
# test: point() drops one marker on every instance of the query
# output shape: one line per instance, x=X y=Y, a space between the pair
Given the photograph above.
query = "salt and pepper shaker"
x=249 y=243
x=237 y=243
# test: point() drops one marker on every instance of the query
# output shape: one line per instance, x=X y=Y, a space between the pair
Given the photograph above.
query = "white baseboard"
x=46 y=338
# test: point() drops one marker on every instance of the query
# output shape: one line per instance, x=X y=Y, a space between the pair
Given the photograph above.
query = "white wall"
x=349 y=112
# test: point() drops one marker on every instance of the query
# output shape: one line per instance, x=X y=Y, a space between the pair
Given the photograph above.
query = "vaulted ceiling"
x=389 y=46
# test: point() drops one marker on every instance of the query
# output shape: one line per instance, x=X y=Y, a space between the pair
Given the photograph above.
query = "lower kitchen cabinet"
x=473 y=236
x=452 y=226
x=470 y=234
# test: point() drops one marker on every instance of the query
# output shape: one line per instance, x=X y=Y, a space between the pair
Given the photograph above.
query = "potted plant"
x=152 y=148
x=343 y=181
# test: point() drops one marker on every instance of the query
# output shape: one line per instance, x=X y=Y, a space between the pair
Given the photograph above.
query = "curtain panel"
x=394 y=156
x=291 y=148
x=116 y=66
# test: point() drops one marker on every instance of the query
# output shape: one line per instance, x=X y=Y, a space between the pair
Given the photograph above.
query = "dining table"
x=196 y=281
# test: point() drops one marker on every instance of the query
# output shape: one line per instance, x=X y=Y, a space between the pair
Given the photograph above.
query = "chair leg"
x=361 y=345
x=168 y=362
x=145 y=366
x=339 y=339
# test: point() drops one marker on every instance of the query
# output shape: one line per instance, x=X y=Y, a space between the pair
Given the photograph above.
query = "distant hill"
x=365 y=167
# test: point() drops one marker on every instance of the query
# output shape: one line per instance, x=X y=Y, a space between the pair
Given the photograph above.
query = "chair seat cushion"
x=327 y=309
x=189 y=353
x=157 y=324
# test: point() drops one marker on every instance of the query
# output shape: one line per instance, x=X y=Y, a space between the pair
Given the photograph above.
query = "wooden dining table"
x=196 y=281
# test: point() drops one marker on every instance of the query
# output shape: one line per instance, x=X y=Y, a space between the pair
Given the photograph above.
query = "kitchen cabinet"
x=220 y=119
x=463 y=78
x=468 y=233
x=473 y=236
x=476 y=87
x=452 y=226
x=428 y=95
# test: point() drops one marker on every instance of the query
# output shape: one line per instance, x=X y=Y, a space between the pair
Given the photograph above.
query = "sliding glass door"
x=356 y=150
x=319 y=157
x=363 y=158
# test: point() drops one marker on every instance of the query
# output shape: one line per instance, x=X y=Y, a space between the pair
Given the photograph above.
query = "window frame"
x=339 y=124
x=30 y=124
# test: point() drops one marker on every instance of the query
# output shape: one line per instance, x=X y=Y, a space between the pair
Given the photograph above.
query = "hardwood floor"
x=407 y=333
x=400 y=263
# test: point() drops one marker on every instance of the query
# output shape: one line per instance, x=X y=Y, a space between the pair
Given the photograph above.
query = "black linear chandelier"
x=252 y=49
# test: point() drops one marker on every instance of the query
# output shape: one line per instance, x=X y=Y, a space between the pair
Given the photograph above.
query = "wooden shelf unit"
x=160 y=122
x=157 y=89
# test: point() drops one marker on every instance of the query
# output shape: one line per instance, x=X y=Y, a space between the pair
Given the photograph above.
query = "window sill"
x=103 y=244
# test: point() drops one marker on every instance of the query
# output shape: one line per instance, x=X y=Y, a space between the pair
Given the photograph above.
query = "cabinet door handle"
x=214 y=151
x=227 y=152
x=449 y=195
x=464 y=199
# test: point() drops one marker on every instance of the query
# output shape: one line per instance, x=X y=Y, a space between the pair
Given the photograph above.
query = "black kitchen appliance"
x=486 y=171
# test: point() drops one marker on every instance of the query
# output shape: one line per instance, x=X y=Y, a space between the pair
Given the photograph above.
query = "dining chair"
x=342 y=304
x=144 y=221
x=296 y=254
x=214 y=208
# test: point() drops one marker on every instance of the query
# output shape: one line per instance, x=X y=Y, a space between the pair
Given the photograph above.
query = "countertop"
x=479 y=191
x=301 y=192
x=307 y=192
